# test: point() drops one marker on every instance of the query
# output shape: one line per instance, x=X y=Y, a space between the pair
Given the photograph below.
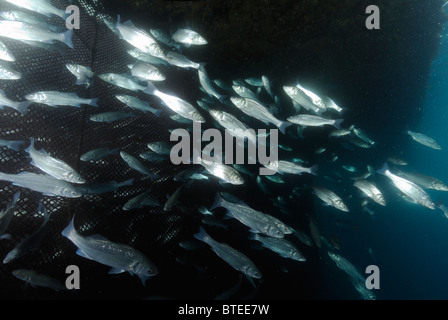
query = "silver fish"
x=44 y=184
x=42 y=6
x=224 y=172
x=330 y=198
x=82 y=73
x=146 y=72
x=137 y=165
x=111 y=116
x=136 y=103
x=160 y=147
x=153 y=156
x=370 y=190
x=5 y=53
x=235 y=126
x=23 y=31
x=256 y=220
x=14 y=145
x=174 y=198
x=315 y=99
x=233 y=257
x=37 y=279
x=206 y=83
x=363 y=136
x=193 y=173
x=164 y=38
x=55 y=99
x=256 y=82
x=267 y=85
x=7 y=214
x=302 y=99
x=281 y=246
x=282 y=167
x=346 y=266
x=424 y=140
x=52 y=166
x=425 y=181
x=99 y=188
x=181 y=61
x=8 y=73
x=181 y=107
x=121 y=257
x=22 y=107
x=244 y=92
x=97 y=154
x=140 y=201
x=123 y=81
x=314 y=121
x=258 y=111
x=146 y=57
x=188 y=37
x=407 y=187
x=139 y=38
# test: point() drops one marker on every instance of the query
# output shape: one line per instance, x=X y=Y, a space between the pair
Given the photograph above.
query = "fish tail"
x=254 y=236
x=158 y=113
x=70 y=229
x=283 y=125
x=68 y=38
x=218 y=201
x=94 y=102
x=17 y=145
x=127 y=182
x=337 y=123
x=313 y=170
x=222 y=98
x=150 y=89
x=31 y=146
x=202 y=235
x=22 y=107
x=383 y=169
x=202 y=66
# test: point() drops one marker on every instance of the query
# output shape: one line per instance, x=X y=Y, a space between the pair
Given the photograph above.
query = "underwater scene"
x=234 y=150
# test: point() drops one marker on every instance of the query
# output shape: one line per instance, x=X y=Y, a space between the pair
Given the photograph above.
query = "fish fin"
x=158 y=113
x=16 y=145
x=22 y=107
x=68 y=38
x=115 y=271
x=383 y=169
x=129 y=23
x=337 y=123
x=313 y=169
x=94 y=102
x=283 y=125
x=202 y=66
x=143 y=279
x=254 y=236
x=150 y=89
x=6 y=236
x=228 y=216
x=81 y=253
x=30 y=147
x=254 y=231
x=218 y=202
x=201 y=235
x=69 y=229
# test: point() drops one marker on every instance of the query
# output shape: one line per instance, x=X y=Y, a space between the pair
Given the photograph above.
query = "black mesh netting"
x=67 y=133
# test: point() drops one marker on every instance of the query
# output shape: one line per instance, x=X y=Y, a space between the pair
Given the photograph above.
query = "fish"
x=22 y=107
x=140 y=201
x=397 y=161
x=97 y=154
x=153 y=156
x=36 y=279
x=5 y=53
x=314 y=121
x=330 y=104
x=123 y=81
x=283 y=167
x=82 y=73
x=7 y=214
x=360 y=286
x=121 y=257
x=7 y=72
x=160 y=147
x=233 y=257
x=174 y=198
x=244 y=92
x=13 y=145
x=346 y=266
x=56 y=98
x=267 y=85
x=138 y=38
x=137 y=104
x=14 y=15
x=44 y=184
x=104 y=187
x=258 y=111
x=315 y=233
x=281 y=246
x=146 y=72
x=224 y=172
x=188 y=37
x=257 y=221
x=193 y=173
x=30 y=242
x=302 y=99
x=370 y=190
x=28 y=32
x=280 y=224
x=424 y=140
x=315 y=99
x=408 y=188
x=302 y=236
x=206 y=83
x=181 y=107
x=111 y=116
x=42 y=6
x=181 y=61
x=146 y=57
x=339 y=133
x=330 y=198
x=236 y=127
x=362 y=135
x=424 y=181
x=53 y=166
x=255 y=82
x=164 y=38
x=137 y=165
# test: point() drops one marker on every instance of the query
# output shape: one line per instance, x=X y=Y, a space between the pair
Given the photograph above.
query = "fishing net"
x=66 y=133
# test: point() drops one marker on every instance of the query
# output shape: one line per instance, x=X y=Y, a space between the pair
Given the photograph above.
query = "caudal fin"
x=31 y=146
x=283 y=125
x=150 y=89
x=22 y=107
x=218 y=201
x=313 y=170
x=337 y=123
x=16 y=145
x=383 y=169
x=202 y=235
x=70 y=229
x=68 y=38
x=94 y=102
